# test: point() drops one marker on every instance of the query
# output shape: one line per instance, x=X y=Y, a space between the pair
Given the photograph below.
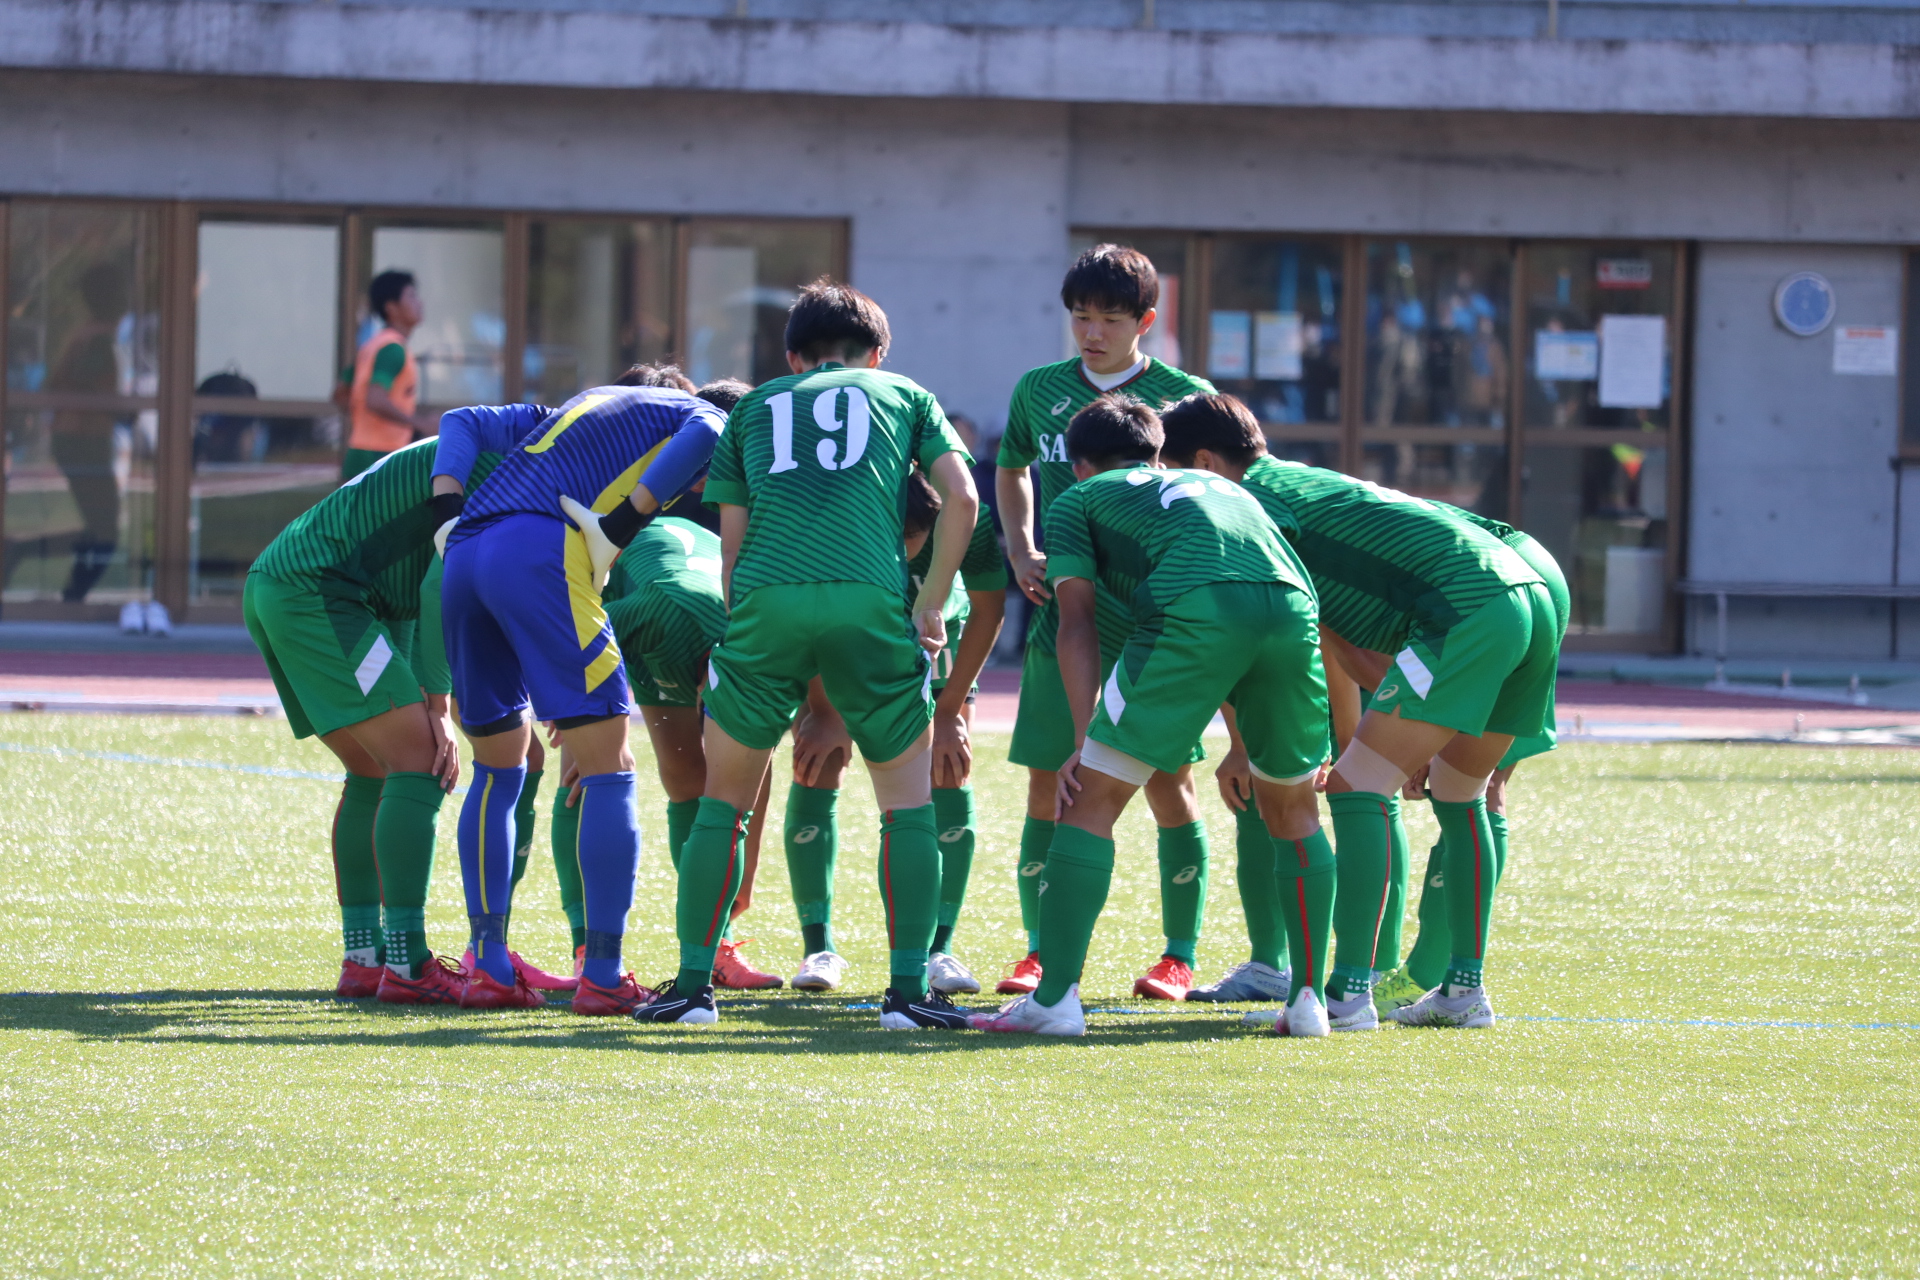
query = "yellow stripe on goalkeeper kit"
x=616 y=493
x=603 y=666
x=486 y=794
x=545 y=442
x=589 y=615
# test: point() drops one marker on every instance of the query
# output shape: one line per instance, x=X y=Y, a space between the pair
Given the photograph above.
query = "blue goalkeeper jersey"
x=594 y=449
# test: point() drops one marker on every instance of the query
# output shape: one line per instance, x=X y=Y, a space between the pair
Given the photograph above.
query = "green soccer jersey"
x=1385 y=565
x=1152 y=534
x=820 y=462
x=672 y=614
x=983 y=568
x=369 y=540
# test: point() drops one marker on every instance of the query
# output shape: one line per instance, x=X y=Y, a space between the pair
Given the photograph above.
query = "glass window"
x=1167 y=340
x=82 y=329
x=742 y=277
x=1910 y=358
x=460 y=272
x=1437 y=333
x=597 y=302
x=1273 y=327
x=267 y=308
x=1602 y=512
x=1599 y=347
x=1466 y=475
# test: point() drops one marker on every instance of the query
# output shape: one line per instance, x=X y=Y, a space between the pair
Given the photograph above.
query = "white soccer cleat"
x=1027 y=1014
x=1249 y=980
x=1353 y=1014
x=1306 y=1016
x=601 y=553
x=1471 y=1008
x=948 y=976
x=821 y=971
x=1274 y=1020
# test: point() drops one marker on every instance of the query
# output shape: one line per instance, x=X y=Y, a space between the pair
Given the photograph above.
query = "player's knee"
x=1173 y=799
x=1454 y=786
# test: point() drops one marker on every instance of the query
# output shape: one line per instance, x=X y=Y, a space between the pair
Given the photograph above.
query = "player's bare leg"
x=1182 y=853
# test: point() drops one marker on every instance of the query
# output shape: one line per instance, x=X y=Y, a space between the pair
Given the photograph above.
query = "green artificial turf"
x=190 y=1101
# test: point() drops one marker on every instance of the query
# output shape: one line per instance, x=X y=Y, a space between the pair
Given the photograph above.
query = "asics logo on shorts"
x=1186 y=875
x=1033 y=868
x=1387 y=692
x=805 y=835
x=952 y=834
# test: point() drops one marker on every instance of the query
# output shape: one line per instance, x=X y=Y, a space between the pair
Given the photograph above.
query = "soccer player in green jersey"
x=1474 y=647
x=809 y=479
x=1110 y=294
x=333 y=603
x=1223 y=613
x=822 y=749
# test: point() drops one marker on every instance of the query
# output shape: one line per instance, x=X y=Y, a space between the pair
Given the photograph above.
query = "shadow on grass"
x=748 y=1025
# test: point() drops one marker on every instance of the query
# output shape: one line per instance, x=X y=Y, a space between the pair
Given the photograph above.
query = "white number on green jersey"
x=826 y=415
x=1175 y=485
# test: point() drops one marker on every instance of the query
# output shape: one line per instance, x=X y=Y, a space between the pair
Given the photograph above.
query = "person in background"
x=383 y=395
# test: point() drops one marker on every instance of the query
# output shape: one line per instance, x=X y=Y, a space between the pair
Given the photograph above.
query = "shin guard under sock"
x=1498 y=823
x=523 y=828
x=813 y=847
x=486 y=863
x=1183 y=887
x=1471 y=876
x=1386 y=948
x=910 y=894
x=1305 y=870
x=711 y=864
x=566 y=867
x=1363 y=838
x=1073 y=890
x=1036 y=837
x=403 y=835
x=609 y=856
x=954 y=819
x=356 y=873
x=680 y=816
x=1427 y=962
x=1255 y=874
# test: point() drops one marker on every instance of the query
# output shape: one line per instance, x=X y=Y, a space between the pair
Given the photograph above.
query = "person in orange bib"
x=383 y=397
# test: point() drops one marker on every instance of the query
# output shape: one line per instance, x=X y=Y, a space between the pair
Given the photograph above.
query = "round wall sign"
x=1803 y=303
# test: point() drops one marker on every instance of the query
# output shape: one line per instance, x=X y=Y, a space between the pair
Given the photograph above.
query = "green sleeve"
x=1019 y=445
x=1070 y=539
x=726 y=475
x=387 y=364
x=429 y=644
x=983 y=568
x=937 y=436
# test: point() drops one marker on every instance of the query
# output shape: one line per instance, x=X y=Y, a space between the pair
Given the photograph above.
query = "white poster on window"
x=1277 y=346
x=1633 y=362
x=1868 y=349
x=1565 y=357
x=1230 y=337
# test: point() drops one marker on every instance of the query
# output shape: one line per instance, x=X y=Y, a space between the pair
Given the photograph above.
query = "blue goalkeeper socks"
x=609 y=856
x=486 y=863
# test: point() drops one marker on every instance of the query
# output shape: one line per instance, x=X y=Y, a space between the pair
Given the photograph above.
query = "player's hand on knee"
x=446 y=750
x=1069 y=782
x=952 y=752
x=1415 y=788
x=931 y=624
x=1235 y=776
x=1030 y=575
x=601 y=550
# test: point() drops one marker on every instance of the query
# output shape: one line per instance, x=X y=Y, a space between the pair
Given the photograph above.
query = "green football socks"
x=953 y=818
x=404 y=831
x=523 y=825
x=910 y=892
x=711 y=865
x=1498 y=822
x=1363 y=824
x=680 y=816
x=813 y=847
x=1183 y=888
x=1072 y=891
x=566 y=868
x=1386 y=948
x=1305 y=871
x=1427 y=962
x=356 y=874
x=1256 y=874
x=1471 y=872
x=1036 y=837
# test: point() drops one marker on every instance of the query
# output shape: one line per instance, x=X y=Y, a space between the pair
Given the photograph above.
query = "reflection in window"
x=1169 y=257
x=1274 y=327
x=1466 y=475
x=1599 y=354
x=741 y=279
x=267 y=307
x=82 y=332
x=459 y=271
x=1438 y=349
x=597 y=302
x=1602 y=512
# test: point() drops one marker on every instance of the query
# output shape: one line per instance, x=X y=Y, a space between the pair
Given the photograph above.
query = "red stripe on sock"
x=720 y=904
x=1306 y=931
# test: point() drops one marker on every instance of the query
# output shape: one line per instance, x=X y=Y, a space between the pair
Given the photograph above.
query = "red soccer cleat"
x=440 y=982
x=733 y=971
x=596 y=1001
x=484 y=991
x=1169 y=980
x=579 y=961
x=358 y=981
x=1024 y=979
x=537 y=978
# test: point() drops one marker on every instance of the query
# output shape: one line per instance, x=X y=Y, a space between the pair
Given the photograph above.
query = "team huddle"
x=531 y=575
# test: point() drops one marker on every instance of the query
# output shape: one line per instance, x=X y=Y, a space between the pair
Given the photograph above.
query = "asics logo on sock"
x=1437 y=882
x=1186 y=875
x=1032 y=868
x=805 y=835
x=952 y=834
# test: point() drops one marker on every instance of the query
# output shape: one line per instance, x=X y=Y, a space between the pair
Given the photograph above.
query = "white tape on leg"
x=1115 y=764
x=1365 y=769
x=1451 y=786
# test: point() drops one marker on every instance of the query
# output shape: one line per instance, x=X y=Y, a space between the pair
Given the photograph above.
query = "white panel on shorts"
x=1111 y=698
x=1414 y=670
x=367 y=674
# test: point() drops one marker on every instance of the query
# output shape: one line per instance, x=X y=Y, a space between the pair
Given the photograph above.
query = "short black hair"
x=724 y=393
x=667 y=376
x=1114 y=429
x=1112 y=277
x=386 y=290
x=1217 y=423
x=923 y=505
x=833 y=319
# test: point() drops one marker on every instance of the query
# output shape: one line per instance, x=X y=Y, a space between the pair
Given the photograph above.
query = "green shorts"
x=1043 y=724
x=943 y=660
x=1254 y=644
x=854 y=636
x=1491 y=673
x=333 y=663
x=1541 y=561
x=665 y=644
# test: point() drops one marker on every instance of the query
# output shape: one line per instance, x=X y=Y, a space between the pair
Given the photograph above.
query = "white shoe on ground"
x=1248 y=980
x=1470 y=1008
x=1028 y=1014
x=948 y=976
x=821 y=971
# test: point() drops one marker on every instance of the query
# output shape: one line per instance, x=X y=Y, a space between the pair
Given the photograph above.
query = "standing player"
x=1110 y=293
x=526 y=631
x=1476 y=647
x=810 y=484
x=1223 y=614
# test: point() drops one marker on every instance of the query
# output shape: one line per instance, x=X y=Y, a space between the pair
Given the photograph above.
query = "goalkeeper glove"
x=606 y=535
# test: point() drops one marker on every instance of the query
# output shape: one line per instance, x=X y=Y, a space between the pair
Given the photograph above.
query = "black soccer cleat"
x=669 y=1005
x=933 y=1010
